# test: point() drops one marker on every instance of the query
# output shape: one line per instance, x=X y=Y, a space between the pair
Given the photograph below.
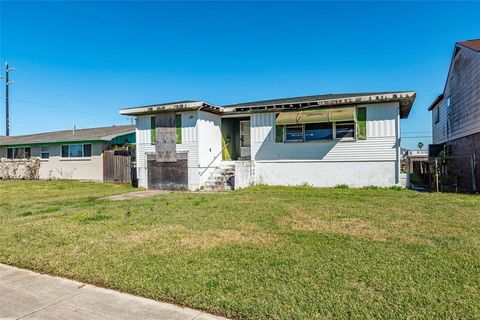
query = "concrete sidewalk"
x=28 y=295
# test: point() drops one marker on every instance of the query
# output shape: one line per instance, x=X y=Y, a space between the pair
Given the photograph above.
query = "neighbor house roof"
x=472 y=44
x=404 y=98
x=170 y=107
x=435 y=102
x=92 y=134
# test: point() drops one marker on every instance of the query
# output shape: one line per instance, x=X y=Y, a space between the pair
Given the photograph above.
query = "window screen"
x=294 y=133
x=318 y=131
x=345 y=130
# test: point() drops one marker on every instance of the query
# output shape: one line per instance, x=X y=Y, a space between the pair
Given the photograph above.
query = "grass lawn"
x=258 y=253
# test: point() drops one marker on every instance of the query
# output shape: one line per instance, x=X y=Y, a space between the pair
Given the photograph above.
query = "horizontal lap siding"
x=380 y=144
x=463 y=89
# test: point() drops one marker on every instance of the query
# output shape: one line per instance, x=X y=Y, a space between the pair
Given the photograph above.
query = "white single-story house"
x=323 y=140
x=68 y=154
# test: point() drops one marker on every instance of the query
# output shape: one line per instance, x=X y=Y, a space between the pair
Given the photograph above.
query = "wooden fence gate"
x=117 y=167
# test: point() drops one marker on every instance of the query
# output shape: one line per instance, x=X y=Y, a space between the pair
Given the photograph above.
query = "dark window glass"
x=9 y=153
x=28 y=152
x=87 y=150
x=76 y=151
x=18 y=153
x=318 y=131
x=65 y=151
x=345 y=130
x=294 y=134
x=45 y=152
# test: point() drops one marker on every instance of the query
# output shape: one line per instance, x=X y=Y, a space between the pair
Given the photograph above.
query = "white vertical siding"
x=189 y=144
x=381 y=120
x=263 y=129
x=209 y=144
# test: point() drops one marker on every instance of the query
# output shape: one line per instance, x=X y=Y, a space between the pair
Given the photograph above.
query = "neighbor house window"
x=153 y=133
x=318 y=131
x=345 y=130
x=45 y=152
x=76 y=150
x=436 y=113
x=19 y=153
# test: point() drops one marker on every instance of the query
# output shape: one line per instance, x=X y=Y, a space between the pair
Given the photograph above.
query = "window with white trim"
x=76 y=150
x=45 y=152
x=19 y=153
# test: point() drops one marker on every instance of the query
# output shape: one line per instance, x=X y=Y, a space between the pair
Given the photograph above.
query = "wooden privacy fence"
x=117 y=167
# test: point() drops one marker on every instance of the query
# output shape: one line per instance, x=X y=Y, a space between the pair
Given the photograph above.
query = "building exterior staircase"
x=222 y=178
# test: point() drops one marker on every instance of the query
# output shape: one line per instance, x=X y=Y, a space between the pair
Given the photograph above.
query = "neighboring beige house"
x=456 y=118
x=68 y=154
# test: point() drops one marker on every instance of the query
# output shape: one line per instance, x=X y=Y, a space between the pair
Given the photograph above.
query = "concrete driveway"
x=28 y=295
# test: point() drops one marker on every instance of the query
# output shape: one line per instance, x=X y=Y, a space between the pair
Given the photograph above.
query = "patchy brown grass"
x=353 y=227
x=256 y=253
x=168 y=238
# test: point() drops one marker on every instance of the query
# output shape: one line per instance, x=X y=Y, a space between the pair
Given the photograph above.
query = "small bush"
x=371 y=187
x=396 y=188
x=341 y=186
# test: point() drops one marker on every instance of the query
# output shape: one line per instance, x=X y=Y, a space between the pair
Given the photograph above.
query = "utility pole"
x=7 y=111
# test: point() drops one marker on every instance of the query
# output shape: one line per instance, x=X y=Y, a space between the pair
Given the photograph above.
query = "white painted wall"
x=209 y=144
x=374 y=161
x=189 y=144
x=326 y=174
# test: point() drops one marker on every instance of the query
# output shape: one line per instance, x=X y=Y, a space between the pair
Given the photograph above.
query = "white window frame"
x=45 y=150
x=75 y=144
x=13 y=153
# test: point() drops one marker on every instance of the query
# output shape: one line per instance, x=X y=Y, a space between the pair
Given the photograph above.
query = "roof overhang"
x=171 y=107
x=435 y=102
x=17 y=141
x=405 y=100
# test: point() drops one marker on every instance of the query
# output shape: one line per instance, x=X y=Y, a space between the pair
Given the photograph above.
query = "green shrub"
x=341 y=186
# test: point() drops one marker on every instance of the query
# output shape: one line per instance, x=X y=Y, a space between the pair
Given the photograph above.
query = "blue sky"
x=78 y=63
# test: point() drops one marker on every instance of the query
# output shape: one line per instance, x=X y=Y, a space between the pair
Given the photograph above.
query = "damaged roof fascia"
x=184 y=106
x=405 y=100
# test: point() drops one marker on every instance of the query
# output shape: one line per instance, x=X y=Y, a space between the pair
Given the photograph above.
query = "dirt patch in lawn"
x=174 y=237
x=351 y=227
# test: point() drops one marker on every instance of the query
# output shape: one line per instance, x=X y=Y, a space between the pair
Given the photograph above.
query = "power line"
x=60 y=94
x=61 y=108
